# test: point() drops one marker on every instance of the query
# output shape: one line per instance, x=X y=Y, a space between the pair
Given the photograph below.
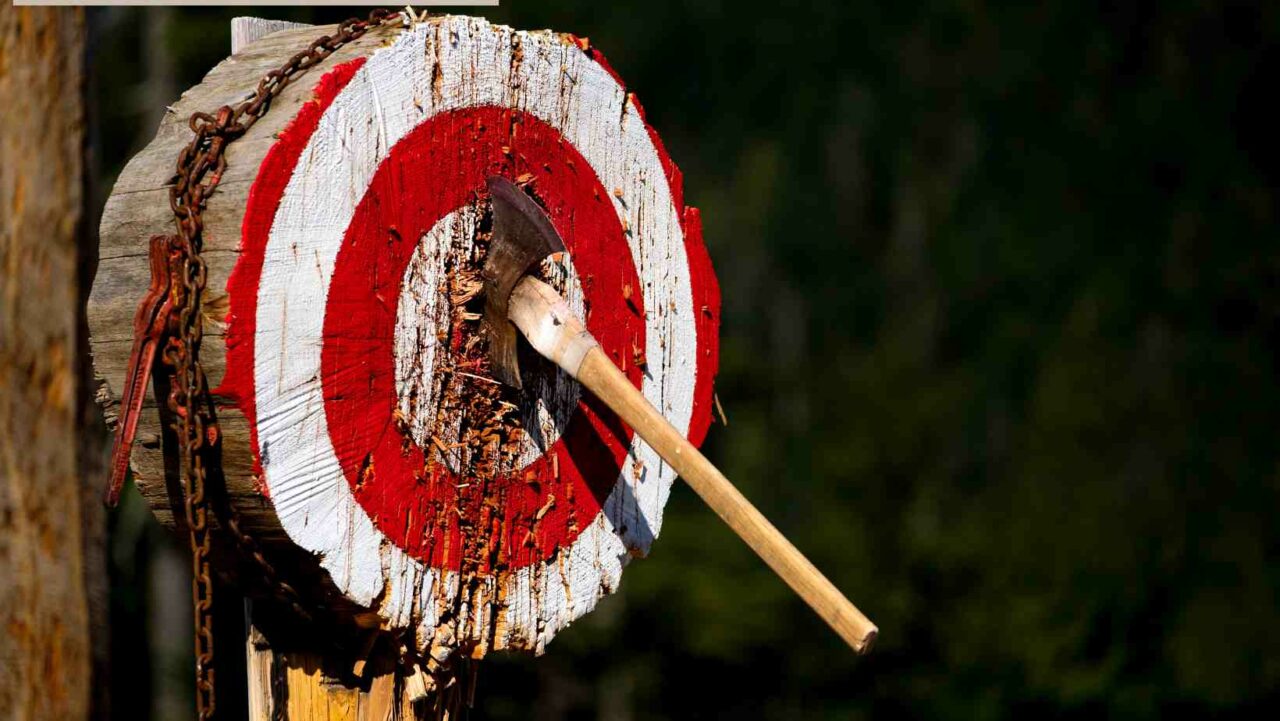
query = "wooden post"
x=44 y=644
x=305 y=684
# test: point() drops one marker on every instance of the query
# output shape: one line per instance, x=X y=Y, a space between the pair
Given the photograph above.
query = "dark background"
x=1001 y=324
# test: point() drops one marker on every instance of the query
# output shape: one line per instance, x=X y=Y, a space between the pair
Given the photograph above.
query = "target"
x=358 y=229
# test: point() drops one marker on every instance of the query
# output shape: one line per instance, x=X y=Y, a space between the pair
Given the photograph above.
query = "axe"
x=513 y=299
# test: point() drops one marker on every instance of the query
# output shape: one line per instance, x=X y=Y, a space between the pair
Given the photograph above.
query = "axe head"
x=522 y=237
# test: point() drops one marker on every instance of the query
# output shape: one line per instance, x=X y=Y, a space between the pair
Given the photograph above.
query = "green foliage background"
x=1001 y=322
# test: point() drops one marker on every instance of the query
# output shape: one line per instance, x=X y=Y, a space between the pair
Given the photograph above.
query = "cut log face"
x=360 y=422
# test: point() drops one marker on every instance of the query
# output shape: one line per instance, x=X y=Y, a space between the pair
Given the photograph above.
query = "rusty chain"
x=199 y=170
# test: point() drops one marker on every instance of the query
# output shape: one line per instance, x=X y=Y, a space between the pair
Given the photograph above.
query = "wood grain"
x=245 y=30
x=138 y=208
x=44 y=644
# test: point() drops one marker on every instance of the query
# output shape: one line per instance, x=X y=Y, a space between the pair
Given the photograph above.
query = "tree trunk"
x=44 y=644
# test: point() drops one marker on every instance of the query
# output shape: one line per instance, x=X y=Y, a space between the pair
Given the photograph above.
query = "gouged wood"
x=417 y=685
x=258 y=663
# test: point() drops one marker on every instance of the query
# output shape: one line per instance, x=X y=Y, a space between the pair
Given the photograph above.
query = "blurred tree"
x=45 y=647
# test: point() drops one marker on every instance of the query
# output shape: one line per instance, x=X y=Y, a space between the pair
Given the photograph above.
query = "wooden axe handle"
x=555 y=332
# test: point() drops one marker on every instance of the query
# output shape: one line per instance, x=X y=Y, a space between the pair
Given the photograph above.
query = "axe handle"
x=603 y=378
x=557 y=334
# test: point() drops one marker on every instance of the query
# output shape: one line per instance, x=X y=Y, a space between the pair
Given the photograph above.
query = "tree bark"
x=44 y=644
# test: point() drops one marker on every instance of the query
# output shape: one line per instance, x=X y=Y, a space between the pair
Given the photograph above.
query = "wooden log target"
x=359 y=425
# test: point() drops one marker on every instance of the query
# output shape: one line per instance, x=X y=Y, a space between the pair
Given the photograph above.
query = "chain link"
x=199 y=171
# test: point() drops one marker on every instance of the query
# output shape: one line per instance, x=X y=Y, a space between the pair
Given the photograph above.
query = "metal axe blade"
x=522 y=237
